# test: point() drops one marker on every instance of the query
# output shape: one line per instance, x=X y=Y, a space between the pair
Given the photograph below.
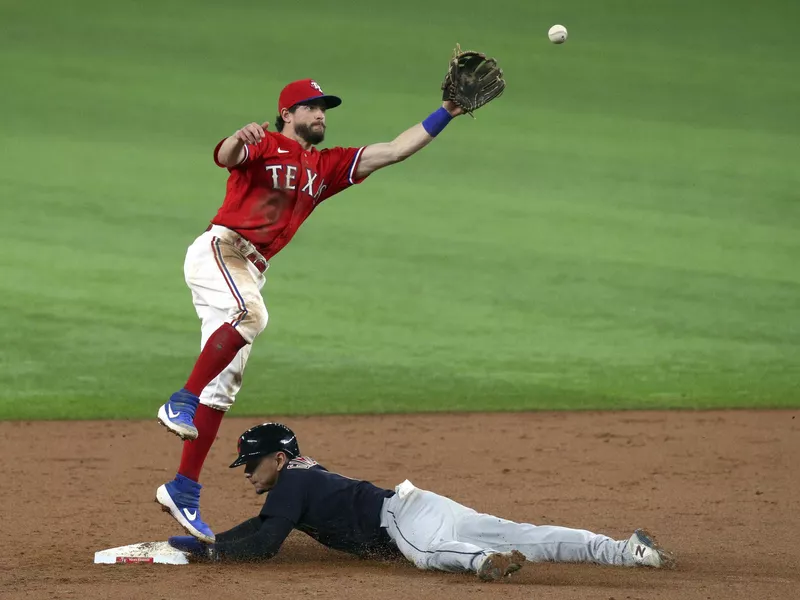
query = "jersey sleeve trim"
x=216 y=153
x=351 y=174
x=241 y=162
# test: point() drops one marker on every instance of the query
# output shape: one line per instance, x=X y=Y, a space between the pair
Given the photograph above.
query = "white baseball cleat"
x=647 y=553
x=500 y=564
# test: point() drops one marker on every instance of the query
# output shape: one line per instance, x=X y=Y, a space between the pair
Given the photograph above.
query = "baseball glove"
x=472 y=80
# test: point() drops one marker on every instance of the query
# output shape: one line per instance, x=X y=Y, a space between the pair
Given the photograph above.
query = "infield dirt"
x=720 y=489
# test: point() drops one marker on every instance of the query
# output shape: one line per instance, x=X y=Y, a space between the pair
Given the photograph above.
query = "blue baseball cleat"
x=181 y=498
x=177 y=415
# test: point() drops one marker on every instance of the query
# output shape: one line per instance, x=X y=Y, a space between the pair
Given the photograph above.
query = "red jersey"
x=277 y=186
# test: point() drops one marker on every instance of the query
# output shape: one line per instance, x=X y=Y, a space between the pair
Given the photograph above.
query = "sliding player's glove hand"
x=472 y=80
x=196 y=550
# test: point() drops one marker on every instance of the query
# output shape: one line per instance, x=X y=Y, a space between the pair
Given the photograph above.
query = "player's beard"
x=312 y=136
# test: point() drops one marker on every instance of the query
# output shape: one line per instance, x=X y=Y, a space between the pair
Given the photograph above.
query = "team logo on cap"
x=315 y=85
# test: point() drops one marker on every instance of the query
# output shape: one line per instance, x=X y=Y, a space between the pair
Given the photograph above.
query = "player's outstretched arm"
x=254 y=540
x=232 y=151
x=411 y=141
x=258 y=538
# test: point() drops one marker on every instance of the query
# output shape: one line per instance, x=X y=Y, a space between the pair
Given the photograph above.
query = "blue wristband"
x=437 y=121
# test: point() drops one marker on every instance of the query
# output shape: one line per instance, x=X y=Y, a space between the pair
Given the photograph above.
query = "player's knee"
x=260 y=317
x=254 y=321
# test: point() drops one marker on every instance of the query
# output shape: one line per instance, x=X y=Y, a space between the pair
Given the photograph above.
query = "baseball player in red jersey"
x=276 y=180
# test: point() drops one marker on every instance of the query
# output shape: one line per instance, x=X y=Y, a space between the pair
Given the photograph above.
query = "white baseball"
x=557 y=34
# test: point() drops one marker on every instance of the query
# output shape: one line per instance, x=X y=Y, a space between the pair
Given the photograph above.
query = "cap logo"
x=315 y=85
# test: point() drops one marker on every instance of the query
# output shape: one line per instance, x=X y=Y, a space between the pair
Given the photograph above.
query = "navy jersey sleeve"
x=289 y=498
x=256 y=539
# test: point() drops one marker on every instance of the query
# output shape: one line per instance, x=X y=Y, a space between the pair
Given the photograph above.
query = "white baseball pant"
x=435 y=532
x=226 y=288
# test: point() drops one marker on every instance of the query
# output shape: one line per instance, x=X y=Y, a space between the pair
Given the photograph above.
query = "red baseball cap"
x=305 y=90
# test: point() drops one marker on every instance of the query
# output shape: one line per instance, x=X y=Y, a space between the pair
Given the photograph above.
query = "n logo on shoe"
x=191 y=515
x=172 y=415
x=639 y=550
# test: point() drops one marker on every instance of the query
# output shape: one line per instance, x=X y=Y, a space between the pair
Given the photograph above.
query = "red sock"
x=207 y=421
x=220 y=349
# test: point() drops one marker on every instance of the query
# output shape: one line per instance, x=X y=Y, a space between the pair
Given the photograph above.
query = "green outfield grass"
x=620 y=230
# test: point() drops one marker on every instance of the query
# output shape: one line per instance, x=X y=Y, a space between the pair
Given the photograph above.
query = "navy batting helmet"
x=265 y=439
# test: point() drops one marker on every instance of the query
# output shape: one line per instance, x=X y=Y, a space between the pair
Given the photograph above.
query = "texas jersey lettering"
x=277 y=186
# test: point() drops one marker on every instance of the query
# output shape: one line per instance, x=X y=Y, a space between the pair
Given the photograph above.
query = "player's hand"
x=453 y=108
x=252 y=133
x=198 y=551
